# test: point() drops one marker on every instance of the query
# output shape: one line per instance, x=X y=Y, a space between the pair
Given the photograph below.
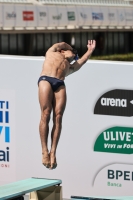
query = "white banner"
x=105 y=11
x=7 y=136
x=62 y=16
x=9 y=15
x=87 y=10
x=129 y=16
x=30 y=16
x=1 y=16
x=121 y=17
x=115 y=175
x=113 y=16
x=96 y=143
x=72 y=16
x=97 y=16
x=58 y=16
x=42 y=16
x=53 y=16
x=20 y=22
x=81 y=15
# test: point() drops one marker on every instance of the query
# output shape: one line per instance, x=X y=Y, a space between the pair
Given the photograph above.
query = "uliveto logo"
x=115 y=102
x=28 y=15
x=4 y=131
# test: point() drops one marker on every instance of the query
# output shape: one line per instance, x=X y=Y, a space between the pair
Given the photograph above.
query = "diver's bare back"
x=55 y=65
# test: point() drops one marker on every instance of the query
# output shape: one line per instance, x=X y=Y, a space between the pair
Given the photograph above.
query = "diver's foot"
x=53 y=162
x=46 y=159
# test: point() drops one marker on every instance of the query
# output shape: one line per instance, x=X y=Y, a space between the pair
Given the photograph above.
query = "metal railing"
x=87 y=2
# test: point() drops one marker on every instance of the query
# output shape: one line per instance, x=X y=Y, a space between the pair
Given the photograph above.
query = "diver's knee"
x=45 y=115
x=58 y=118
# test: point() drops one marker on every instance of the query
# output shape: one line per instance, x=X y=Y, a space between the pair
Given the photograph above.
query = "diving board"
x=104 y=197
x=22 y=187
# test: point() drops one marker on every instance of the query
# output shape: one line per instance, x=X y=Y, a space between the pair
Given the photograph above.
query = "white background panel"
x=62 y=13
x=72 y=15
x=105 y=11
x=42 y=16
x=9 y=15
x=30 y=16
x=129 y=16
x=19 y=18
x=1 y=15
x=97 y=16
x=52 y=16
x=121 y=17
x=113 y=16
x=88 y=16
x=78 y=164
x=81 y=15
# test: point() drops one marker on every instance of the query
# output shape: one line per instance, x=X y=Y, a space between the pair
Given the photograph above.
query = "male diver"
x=52 y=93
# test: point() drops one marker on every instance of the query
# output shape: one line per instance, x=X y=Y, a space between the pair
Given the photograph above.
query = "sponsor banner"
x=93 y=132
x=115 y=177
x=19 y=16
x=115 y=140
x=72 y=15
x=112 y=16
x=1 y=18
x=121 y=17
x=87 y=10
x=97 y=16
x=9 y=15
x=53 y=16
x=129 y=16
x=29 y=16
x=62 y=16
x=115 y=102
x=7 y=136
x=105 y=11
x=82 y=16
x=42 y=16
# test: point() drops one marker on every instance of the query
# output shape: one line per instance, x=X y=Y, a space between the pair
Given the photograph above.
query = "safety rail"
x=87 y=2
x=17 y=1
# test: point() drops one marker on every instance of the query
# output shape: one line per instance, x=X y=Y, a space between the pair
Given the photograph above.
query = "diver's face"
x=69 y=55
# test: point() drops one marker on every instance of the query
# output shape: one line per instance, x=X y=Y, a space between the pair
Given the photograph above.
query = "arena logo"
x=115 y=102
x=10 y=15
x=28 y=15
x=4 y=131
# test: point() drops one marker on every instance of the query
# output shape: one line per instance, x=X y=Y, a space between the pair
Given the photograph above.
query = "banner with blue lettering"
x=97 y=16
x=7 y=136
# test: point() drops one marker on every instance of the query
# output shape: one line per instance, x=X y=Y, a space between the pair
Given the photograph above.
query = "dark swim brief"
x=54 y=82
